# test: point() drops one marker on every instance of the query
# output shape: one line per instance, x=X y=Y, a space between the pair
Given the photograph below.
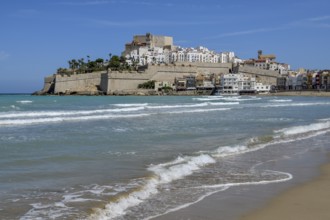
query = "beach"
x=301 y=93
x=167 y=157
x=304 y=197
x=307 y=201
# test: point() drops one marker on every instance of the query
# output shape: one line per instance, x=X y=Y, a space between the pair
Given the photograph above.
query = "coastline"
x=151 y=92
x=255 y=202
x=299 y=93
x=306 y=201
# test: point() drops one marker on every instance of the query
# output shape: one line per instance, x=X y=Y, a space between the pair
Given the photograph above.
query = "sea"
x=127 y=157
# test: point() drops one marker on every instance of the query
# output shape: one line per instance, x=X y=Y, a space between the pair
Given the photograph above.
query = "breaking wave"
x=13 y=118
x=281 y=100
x=24 y=101
x=184 y=166
x=296 y=104
x=163 y=173
x=131 y=105
x=305 y=128
x=178 y=169
x=65 y=119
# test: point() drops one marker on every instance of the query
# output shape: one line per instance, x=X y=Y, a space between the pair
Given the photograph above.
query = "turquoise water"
x=140 y=157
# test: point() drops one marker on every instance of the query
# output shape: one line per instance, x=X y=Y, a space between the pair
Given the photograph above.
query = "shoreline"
x=307 y=201
x=144 y=92
x=255 y=202
x=299 y=93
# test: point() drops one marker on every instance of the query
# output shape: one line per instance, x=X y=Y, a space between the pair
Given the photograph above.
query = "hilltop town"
x=153 y=65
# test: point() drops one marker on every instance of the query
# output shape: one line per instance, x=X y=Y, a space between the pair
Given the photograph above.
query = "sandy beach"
x=304 y=197
x=305 y=202
x=301 y=93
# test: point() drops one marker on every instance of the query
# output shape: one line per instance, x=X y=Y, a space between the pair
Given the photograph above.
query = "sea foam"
x=163 y=173
x=305 y=128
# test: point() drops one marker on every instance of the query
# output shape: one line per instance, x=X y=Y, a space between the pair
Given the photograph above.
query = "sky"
x=39 y=36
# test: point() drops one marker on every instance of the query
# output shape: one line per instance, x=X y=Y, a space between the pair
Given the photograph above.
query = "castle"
x=165 y=64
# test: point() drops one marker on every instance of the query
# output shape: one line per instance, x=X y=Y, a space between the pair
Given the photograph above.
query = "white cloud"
x=3 y=55
x=247 y=32
x=86 y=3
x=103 y=2
x=315 y=22
x=148 y=23
x=323 y=18
x=309 y=22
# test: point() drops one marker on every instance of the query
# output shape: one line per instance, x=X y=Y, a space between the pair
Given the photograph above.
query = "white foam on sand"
x=163 y=173
x=185 y=166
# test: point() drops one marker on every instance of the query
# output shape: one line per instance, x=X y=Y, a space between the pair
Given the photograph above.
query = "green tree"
x=114 y=62
x=147 y=85
x=99 y=62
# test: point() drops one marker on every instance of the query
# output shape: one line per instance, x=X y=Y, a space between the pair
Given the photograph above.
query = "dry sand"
x=305 y=202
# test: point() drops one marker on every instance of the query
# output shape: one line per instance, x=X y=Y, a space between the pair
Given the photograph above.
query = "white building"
x=160 y=49
x=260 y=88
x=227 y=57
x=235 y=84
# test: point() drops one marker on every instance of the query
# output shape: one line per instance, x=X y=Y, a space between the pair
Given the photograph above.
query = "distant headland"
x=152 y=65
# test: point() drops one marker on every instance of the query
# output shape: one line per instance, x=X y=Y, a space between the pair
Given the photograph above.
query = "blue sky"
x=39 y=36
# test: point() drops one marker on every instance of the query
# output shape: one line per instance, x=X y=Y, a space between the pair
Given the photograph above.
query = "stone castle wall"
x=78 y=82
x=121 y=81
x=112 y=81
x=267 y=77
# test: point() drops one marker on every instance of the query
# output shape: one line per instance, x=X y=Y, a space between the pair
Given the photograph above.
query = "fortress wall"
x=170 y=72
x=267 y=77
x=160 y=41
x=49 y=84
x=78 y=83
x=110 y=82
x=180 y=69
x=121 y=81
x=217 y=68
x=104 y=82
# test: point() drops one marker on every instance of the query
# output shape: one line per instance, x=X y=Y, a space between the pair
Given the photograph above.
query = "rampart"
x=267 y=77
x=121 y=81
x=79 y=83
x=112 y=82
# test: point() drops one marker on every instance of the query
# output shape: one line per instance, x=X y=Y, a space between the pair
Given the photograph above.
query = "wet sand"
x=306 y=196
x=305 y=202
x=300 y=93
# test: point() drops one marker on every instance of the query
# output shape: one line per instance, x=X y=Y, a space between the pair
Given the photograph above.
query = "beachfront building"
x=304 y=80
x=236 y=83
x=325 y=80
x=242 y=84
x=260 y=88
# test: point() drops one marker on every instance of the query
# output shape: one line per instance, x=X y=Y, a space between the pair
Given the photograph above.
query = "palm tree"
x=99 y=62
x=70 y=64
